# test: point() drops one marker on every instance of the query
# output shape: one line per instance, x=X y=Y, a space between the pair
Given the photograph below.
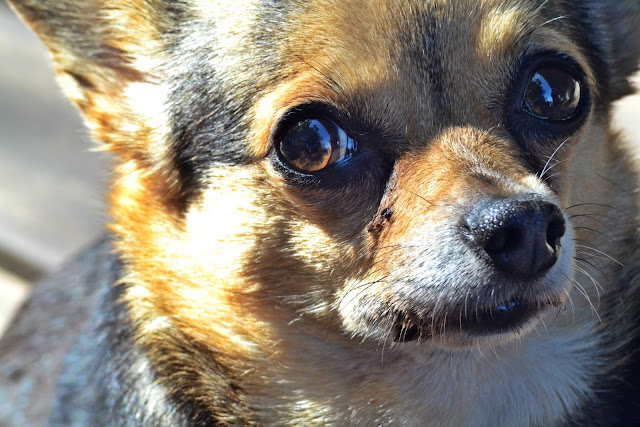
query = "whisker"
x=584 y=292
x=569 y=299
x=362 y=287
x=593 y=214
x=580 y=289
x=597 y=284
x=590 y=216
x=541 y=6
x=598 y=287
x=602 y=206
x=419 y=196
x=554 y=318
x=601 y=253
x=551 y=167
x=557 y=18
x=599 y=268
x=544 y=169
x=593 y=230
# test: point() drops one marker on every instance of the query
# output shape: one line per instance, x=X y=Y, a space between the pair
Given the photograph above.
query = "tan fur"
x=276 y=282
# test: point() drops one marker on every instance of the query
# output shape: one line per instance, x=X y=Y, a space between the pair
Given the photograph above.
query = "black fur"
x=84 y=355
x=208 y=109
x=92 y=364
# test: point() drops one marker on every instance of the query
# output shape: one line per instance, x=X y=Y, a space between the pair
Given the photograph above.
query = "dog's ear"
x=99 y=48
x=618 y=22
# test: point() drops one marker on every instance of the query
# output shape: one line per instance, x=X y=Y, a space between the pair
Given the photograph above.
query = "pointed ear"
x=100 y=48
x=619 y=38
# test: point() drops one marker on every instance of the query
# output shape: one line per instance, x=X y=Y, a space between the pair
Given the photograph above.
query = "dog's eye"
x=552 y=93
x=313 y=144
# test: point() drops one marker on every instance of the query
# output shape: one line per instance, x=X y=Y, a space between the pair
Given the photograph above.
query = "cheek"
x=219 y=230
x=249 y=235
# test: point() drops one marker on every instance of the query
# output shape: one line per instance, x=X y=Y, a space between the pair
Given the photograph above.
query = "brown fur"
x=258 y=300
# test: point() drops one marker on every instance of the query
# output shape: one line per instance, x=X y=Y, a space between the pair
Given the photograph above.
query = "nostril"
x=555 y=231
x=521 y=237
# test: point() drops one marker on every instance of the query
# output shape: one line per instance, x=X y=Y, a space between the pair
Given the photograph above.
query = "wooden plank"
x=14 y=291
x=51 y=186
x=627 y=115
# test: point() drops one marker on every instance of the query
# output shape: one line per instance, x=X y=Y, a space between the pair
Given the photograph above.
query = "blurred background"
x=52 y=187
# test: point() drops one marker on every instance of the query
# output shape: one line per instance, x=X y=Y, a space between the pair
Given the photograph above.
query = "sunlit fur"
x=294 y=292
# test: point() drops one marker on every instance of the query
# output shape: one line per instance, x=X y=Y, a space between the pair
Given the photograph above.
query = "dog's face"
x=393 y=171
x=397 y=170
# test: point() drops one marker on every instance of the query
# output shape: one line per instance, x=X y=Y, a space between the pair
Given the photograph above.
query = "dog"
x=461 y=248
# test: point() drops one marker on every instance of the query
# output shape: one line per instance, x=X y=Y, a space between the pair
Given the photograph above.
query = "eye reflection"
x=313 y=144
x=552 y=93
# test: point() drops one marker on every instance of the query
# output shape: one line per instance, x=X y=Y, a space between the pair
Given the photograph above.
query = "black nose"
x=522 y=237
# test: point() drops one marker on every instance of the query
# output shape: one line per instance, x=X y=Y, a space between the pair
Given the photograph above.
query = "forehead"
x=406 y=66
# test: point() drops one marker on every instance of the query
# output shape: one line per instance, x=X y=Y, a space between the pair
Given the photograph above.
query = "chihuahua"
x=343 y=212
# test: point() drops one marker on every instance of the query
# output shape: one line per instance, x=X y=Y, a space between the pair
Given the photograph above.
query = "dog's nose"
x=522 y=237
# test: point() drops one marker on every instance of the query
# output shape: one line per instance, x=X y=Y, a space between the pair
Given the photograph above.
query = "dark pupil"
x=552 y=94
x=307 y=146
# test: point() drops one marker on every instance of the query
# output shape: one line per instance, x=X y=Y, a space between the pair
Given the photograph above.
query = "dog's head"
x=395 y=170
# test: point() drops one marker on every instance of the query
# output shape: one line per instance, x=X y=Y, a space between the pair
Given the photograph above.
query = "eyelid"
x=313 y=109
